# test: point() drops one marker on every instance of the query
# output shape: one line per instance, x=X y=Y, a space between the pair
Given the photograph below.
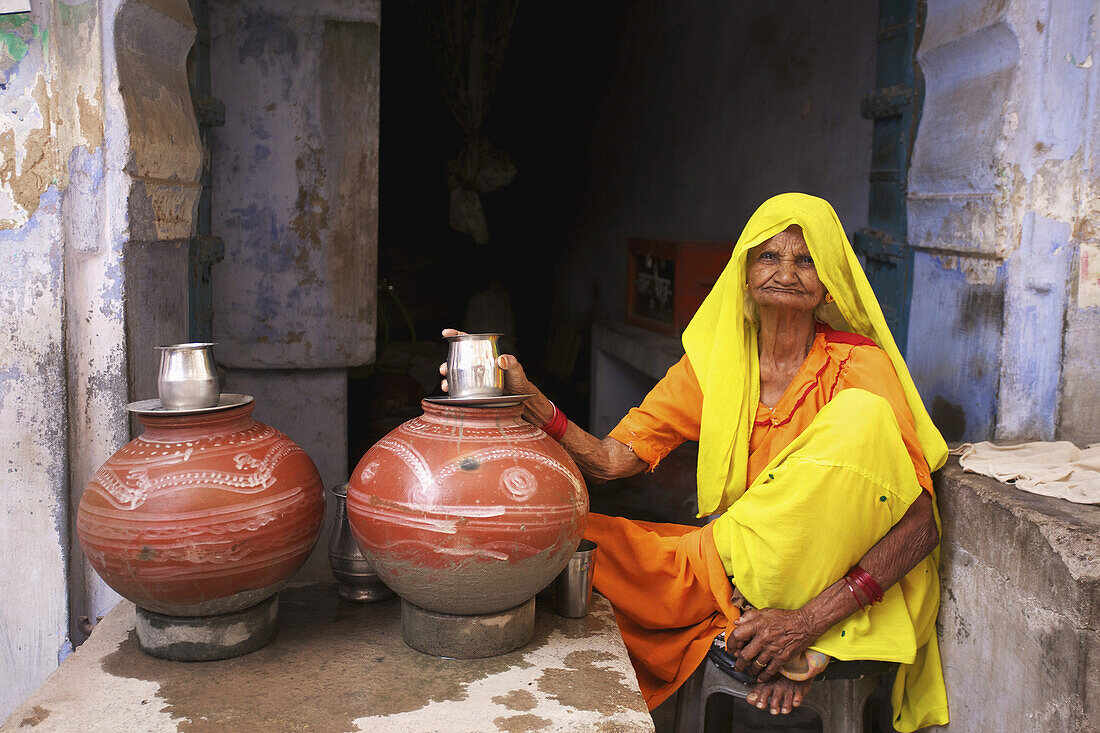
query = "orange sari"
x=670 y=593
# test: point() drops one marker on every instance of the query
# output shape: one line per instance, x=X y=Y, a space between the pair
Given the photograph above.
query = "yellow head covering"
x=721 y=344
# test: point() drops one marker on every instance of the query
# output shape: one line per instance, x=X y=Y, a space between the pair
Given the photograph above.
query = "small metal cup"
x=573 y=586
x=187 y=379
x=472 y=369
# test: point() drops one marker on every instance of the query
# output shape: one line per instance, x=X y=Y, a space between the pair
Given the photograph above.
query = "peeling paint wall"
x=1003 y=343
x=99 y=180
x=93 y=220
x=33 y=430
x=1001 y=202
x=88 y=211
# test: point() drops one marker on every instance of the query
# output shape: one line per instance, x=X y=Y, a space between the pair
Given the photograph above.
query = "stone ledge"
x=340 y=666
x=1054 y=545
x=649 y=352
x=1019 y=607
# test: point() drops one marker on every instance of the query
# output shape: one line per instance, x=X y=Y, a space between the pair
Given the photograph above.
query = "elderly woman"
x=814 y=457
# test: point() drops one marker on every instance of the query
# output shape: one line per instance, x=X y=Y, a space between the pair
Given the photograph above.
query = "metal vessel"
x=472 y=369
x=352 y=570
x=187 y=378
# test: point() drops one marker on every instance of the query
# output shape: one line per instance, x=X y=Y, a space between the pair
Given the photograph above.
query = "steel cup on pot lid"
x=187 y=379
x=472 y=369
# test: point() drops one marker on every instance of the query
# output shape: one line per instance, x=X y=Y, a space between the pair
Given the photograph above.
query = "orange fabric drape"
x=671 y=596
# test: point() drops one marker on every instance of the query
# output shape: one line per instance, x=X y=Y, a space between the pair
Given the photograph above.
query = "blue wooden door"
x=894 y=105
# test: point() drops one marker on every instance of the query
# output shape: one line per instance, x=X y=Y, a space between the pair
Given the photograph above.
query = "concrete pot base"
x=467 y=637
x=206 y=638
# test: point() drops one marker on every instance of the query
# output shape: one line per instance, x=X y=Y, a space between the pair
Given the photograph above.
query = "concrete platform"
x=339 y=666
x=1019 y=607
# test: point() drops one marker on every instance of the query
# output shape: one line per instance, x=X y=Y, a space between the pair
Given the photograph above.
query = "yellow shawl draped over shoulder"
x=721 y=343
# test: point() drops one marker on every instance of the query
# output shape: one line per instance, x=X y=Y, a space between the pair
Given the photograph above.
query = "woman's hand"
x=774 y=637
x=765 y=639
x=448 y=333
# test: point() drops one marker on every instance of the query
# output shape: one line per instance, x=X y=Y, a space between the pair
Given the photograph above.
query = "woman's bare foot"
x=779 y=695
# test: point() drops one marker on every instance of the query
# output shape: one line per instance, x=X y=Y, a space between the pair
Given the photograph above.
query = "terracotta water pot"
x=203 y=514
x=467 y=510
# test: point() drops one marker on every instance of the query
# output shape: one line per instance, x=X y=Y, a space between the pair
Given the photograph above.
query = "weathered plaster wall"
x=296 y=185
x=1001 y=201
x=702 y=110
x=94 y=222
x=1018 y=616
x=83 y=283
x=163 y=155
x=33 y=425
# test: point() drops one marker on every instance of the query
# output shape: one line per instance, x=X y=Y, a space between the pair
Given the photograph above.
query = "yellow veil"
x=721 y=344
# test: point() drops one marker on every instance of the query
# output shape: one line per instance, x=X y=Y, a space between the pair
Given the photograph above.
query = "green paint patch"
x=77 y=14
x=13 y=45
x=17 y=32
x=16 y=20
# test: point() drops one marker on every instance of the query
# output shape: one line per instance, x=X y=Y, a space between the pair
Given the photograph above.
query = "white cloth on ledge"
x=1059 y=469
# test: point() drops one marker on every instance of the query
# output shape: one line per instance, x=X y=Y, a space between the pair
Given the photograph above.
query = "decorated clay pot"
x=203 y=514
x=467 y=510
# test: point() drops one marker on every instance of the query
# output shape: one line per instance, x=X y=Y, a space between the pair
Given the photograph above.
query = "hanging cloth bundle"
x=469 y=39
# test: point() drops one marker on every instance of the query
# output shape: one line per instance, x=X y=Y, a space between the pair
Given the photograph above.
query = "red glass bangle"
x=556 y=427
x=866 y=583
x=853 y=591
x=871 y=584
x=866 y=591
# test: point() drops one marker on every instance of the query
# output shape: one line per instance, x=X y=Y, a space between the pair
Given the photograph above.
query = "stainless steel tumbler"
x=187 y=378
x=573 y=586
x=472 y=369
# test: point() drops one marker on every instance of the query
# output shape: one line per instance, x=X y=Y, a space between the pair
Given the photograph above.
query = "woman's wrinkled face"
x=781 y=273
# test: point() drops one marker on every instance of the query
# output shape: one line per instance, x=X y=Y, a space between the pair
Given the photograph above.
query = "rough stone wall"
x=87 y=215
x=1001 y=212
x=1020 y=578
